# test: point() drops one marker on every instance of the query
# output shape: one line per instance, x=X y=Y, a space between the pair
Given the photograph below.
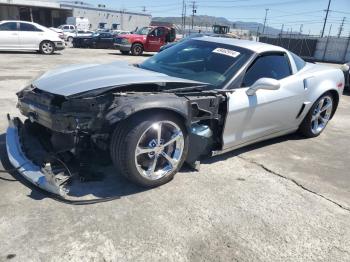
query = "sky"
x=292 y=13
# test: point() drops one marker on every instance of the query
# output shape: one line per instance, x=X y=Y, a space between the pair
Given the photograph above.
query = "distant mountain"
x=205 y=20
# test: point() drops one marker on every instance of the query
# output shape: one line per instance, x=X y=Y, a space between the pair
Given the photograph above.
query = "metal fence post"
x=346 y=49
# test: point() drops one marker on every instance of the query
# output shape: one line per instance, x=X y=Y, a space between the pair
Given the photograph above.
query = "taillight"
x=339 y=85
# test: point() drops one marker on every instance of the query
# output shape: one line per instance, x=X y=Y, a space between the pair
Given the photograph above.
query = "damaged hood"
x=75 y=79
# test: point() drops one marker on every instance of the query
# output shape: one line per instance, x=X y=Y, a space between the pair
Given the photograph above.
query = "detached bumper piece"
x=41 y=176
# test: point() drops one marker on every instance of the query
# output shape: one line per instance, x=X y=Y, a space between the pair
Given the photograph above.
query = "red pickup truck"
x=148 y=39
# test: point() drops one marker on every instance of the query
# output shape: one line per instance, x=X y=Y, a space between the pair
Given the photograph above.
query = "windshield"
x=143 y=31
x=202 y=61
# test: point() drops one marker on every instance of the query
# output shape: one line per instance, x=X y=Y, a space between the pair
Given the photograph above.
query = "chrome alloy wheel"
x=159 y=150
x=321 y=114
x=47 y=47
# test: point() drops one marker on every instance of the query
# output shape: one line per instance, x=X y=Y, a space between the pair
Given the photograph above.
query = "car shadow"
x=28 y=52
x=107 y=185
x=143 y=55
x=347 y=92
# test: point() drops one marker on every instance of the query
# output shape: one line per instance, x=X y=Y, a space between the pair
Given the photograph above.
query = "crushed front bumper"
x=33 y=173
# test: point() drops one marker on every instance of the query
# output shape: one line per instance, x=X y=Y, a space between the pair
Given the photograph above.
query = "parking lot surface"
x=287 y=199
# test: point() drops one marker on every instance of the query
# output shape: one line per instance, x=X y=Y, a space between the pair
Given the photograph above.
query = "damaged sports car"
x=202 y=97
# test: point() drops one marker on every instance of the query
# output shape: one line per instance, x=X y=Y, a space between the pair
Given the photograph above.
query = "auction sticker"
x=227 y=52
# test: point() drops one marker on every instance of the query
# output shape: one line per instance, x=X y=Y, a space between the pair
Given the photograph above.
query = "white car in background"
x=21 y=35
x=68 y=36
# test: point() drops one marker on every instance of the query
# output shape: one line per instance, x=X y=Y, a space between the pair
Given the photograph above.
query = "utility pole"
x=183 y=16
x=144 y=9
x=330 y=29
x=282 y=29
x=193 y=11
x=341 y=27
x=325 y=19
x=266 y=10
x=301 y=29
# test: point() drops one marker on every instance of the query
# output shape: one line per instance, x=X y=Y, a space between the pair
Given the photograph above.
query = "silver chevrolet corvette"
x=199 y=98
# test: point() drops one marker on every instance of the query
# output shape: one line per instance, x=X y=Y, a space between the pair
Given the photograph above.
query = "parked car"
x=67 y=28
x=148 y=39
x=346 y=70
x=205 y=96
x=21 y=35
x=69 y=36
x=96 y=40
x=120 y=32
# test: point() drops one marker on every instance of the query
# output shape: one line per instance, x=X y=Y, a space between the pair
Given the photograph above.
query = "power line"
x=325 y=19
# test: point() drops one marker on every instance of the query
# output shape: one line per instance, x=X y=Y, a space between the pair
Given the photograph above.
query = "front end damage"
x=62 y=134
x=40 y=175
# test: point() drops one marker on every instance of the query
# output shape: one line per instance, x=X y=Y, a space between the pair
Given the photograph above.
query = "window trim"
x=268 y=53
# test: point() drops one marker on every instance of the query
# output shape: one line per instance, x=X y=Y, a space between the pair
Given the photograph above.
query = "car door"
x=9 y=36
x=267 y=112
x=106 y=40
x=29 y=36
x=155 y=39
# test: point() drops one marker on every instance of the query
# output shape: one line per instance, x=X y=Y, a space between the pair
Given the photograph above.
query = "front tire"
x=318 y=117
x=47 y=47
x=149 y=149
x=137 y=49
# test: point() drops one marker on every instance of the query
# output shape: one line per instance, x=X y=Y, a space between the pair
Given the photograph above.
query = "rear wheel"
x=47 y=47
x=137 y=49
x=317 y=118
x=149 y=150
x=70 y=39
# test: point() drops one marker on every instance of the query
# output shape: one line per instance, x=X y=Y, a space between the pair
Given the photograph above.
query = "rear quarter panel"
x=319 y=79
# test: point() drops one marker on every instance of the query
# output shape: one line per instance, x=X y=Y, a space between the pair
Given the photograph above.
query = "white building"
x=54 y=13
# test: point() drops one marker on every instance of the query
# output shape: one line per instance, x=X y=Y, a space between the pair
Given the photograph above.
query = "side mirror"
x=345 y=67
x=263 y=83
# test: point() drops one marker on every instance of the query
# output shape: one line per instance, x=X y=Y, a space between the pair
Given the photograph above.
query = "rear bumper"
x=33 y=173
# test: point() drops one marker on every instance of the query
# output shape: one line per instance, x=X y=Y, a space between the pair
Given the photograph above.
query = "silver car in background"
x=202 y=97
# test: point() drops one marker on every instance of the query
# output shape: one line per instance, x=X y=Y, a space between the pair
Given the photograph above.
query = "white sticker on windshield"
x=228 y=52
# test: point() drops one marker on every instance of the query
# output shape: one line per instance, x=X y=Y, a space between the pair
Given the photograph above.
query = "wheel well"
x=335 y=96
x=137 y=43
x=153 y=111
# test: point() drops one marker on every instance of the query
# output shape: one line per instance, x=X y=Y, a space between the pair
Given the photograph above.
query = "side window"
x=28 y=27
x=72 y=27
x=299 y=62
x=11 y=26
x=66 y=27
x=160 y=31
x=274 y=66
